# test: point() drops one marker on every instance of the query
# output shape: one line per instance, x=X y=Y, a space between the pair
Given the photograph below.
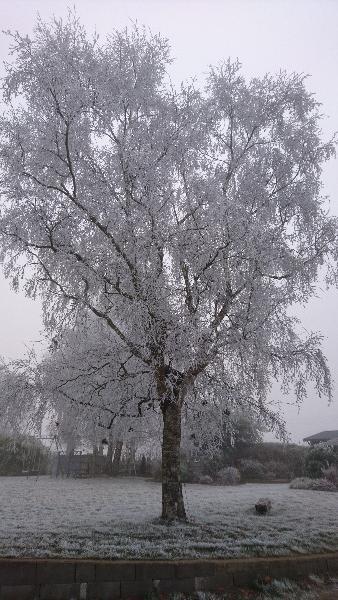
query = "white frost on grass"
x=113 y=518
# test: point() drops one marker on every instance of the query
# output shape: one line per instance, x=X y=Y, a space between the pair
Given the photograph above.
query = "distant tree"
x=291 y=456
x=295 y=458
x=242 y=430
x=253 y=469
x=187 y=222
x=143 y=468
x=236 y=433
x=22 y=454
x=20 y=411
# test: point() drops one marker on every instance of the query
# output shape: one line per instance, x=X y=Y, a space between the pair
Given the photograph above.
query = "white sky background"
x=296 y=35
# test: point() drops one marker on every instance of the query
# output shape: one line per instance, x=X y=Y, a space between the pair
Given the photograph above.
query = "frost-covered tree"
x=88 y=384
x=186 y=221
x=20 y=412
x=81 y=392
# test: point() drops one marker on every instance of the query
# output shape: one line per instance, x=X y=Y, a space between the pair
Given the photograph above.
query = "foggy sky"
x=300 y=36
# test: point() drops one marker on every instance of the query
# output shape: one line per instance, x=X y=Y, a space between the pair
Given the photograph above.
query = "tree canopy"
x=186 y=221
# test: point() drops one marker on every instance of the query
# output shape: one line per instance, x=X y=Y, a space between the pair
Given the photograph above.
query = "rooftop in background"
x=323 y=436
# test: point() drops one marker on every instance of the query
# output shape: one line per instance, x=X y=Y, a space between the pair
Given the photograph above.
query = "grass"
x=118 y=518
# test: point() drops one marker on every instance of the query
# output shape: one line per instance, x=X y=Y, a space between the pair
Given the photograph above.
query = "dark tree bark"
x=70 y=450
x=131 y=459
x=110 y=453
x=117 y=458
x=172 y=494
x=100 y=450
x=92 y=467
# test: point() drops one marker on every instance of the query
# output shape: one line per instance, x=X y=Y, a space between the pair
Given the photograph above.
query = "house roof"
x=323 y=436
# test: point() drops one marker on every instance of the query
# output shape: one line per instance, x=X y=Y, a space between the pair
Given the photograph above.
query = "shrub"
x=253 y=469
x=188 y=474
x=331 y=474
x=323 y=485
x=22 y=454
x=295 y=457
x=290 y=455
x=229 y=476
x=205 y=479
x=277 y=470
x=210 y=465
x=156 y=470
x=320 y=457
x=281 y=461
x=306 y=483
x=143 y=466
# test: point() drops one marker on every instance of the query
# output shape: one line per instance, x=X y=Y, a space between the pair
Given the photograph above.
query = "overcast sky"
x=269 y=35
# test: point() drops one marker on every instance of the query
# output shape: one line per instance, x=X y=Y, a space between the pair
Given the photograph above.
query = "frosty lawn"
x=111 y=518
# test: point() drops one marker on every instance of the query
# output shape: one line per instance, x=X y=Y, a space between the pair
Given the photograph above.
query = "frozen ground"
x=118 y=518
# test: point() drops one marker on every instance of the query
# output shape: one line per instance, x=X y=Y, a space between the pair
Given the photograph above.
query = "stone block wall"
x=29 y=579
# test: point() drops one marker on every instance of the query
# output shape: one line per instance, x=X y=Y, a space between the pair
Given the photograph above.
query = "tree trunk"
x=117 y=458
x=70 y=449
x=92 y=467
x=172 y=495
x=110 y=453
x=131 y=466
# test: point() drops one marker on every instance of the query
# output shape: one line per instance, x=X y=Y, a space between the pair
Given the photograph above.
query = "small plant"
x=229 y=476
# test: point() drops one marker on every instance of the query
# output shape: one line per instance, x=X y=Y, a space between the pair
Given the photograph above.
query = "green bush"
x=253 y=469
x=277 y=470
x=228 y=476
x=143 y=466
x=156 y=470
x=22 y=454
x=331 y=474
x=320 y=457
x=306 y=483
x=291 y=456
x=210 y=465
x=189 y=473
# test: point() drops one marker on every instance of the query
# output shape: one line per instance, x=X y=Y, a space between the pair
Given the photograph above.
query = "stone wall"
x=30 y=579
